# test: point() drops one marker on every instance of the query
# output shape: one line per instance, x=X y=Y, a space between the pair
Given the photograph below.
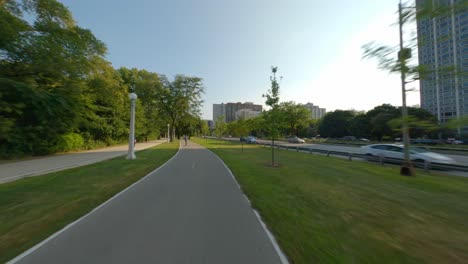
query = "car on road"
x=395 y=151
x=454 y=141
x=250 y=140
x=295 y=139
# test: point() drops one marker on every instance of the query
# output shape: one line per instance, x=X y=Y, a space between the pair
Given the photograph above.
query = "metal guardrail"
x=380 y=159
x=431 y=147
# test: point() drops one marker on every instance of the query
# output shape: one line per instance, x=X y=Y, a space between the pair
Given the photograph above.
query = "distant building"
x=219 y=110
x=443 y=42
x=322 y=112
x=232 y=108
x=246 y=114
x=315 y=111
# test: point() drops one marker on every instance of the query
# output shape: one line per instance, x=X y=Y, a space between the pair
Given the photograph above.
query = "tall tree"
x=204 y=128
x=104 y=117
x=147 y=85
x=379 y=117
x=336 y=124
x=42 y=69
x=360 y=125
x=220 y=127
x=181 y=99
x=296 y=116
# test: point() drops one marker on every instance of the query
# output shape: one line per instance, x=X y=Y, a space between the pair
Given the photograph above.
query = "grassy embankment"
x=325 y=209
x=32 y=209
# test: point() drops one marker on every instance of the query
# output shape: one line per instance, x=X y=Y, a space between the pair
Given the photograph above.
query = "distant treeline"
x=383 y=122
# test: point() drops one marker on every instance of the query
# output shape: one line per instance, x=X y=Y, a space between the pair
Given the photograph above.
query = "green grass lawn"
x=330 y=210
x=34 y=208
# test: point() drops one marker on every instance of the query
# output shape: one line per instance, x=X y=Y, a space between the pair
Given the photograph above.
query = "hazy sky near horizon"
x=232 y=45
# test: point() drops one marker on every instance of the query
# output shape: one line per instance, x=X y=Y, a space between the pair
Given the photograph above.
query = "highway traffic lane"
x=189 y=211
x=459 y=159
x=312 y=146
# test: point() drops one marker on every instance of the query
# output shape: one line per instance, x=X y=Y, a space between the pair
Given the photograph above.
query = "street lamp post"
x=168 y=133
x=131 y=139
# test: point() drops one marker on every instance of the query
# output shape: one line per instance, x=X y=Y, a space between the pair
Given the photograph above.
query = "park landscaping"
x=330 y=210
x=32 y=209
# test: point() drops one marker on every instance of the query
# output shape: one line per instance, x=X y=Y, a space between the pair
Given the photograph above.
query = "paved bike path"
x=12 y=171
x=188 y=211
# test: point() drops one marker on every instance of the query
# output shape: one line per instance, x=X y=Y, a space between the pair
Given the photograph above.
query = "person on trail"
x=185 y=138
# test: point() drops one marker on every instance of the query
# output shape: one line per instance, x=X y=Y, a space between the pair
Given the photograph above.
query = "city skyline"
x=233 y=111
x=208 y=39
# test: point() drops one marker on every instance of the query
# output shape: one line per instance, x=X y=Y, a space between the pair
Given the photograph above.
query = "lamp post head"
x=132 y=96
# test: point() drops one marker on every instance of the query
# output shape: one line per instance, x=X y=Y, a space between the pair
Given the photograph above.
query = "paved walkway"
x=188 y=211
x=34 y=167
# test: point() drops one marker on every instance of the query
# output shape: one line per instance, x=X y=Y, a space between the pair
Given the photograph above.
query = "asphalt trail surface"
x=188 y=211
x=15 y=170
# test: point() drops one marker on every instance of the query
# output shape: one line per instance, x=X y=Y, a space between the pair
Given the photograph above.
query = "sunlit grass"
x=34 y=208
x=325 y=209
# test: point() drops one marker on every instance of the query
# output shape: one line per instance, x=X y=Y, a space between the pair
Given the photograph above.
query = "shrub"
x=70 y=141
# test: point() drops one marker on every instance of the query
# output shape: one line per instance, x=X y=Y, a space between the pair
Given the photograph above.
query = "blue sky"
x=232 y=45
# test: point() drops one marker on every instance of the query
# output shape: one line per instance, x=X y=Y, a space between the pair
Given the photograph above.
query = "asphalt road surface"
x=12 y=171
x=189 y=211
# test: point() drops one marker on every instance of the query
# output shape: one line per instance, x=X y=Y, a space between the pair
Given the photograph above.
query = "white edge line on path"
x=37 y=246
x=277 y=248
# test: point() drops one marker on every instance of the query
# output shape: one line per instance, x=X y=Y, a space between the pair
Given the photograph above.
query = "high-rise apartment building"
x=246 y=114
x=315 y=111
x=443 y=43
x=233 y=108
x=234 y=111
x=219 y=110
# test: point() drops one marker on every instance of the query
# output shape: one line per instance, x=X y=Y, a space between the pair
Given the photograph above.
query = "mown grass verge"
x=32 y=209
x=330 y=210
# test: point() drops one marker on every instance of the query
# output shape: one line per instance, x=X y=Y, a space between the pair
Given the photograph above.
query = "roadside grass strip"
x=330 y=210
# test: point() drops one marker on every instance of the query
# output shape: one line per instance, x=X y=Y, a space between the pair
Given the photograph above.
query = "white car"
x=251 y=140
x=295 y=139
x=395 y=151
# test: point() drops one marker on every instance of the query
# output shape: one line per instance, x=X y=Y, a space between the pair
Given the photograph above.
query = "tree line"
x=383 y=122
x=58 y=92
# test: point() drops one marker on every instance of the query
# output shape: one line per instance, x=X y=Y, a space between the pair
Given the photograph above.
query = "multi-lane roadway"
x=459 y=158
